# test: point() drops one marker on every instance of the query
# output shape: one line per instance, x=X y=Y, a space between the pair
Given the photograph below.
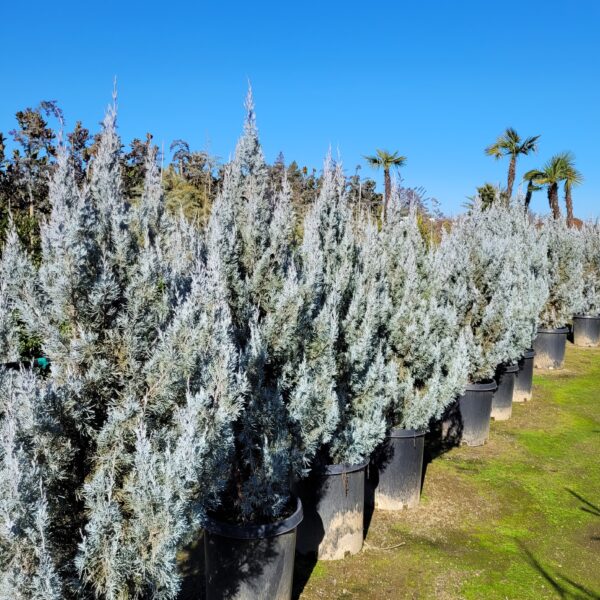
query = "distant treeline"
x=191 y=178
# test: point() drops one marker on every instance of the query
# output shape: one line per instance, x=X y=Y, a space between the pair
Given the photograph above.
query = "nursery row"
x=235 y=379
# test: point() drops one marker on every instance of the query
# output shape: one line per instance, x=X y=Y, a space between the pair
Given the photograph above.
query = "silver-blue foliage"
x=495 y=274
x=565 y=251
x=590 y=233
x=133 y=422
x=426 y=341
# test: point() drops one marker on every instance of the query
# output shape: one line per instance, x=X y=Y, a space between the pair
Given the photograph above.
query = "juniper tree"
x=424 y=337
x=565 y=251
x=344 y=257
x=489 y=263
x=526 y=273
x=135 y=414
x=285 y=363
x=590 y=234
x=28 y=567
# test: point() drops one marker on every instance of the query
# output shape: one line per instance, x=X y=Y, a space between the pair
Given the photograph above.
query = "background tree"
x=510 y=144
x=572 y=177
x=133 y=165
x=532 y=187
x=550 y=176
x=488 y=194
x=190 y=182
x=27 y=173
x=80 y=154
x=386 y=160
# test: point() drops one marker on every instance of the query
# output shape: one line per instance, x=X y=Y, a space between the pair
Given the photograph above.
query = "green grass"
x=518 y=518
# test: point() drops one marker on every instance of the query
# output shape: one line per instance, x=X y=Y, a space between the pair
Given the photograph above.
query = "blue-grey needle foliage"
x=494 y=272
x=565 y=252
x=590 y=233
x=426 y=341
x=123 y=445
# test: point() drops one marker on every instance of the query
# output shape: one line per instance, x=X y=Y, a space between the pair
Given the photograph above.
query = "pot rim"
x=343 y=468
x=255 y=532
x=512 y=368
x=482 y=386
x=556 y=330
x=580 y=316
x=406 y=433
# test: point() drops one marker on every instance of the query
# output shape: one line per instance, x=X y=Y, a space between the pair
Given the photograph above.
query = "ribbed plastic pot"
x=475 y=407
x=549 y=346
x=397 y=469
x=333 y=498
x=586 y=330
x=524 y=378
x=503 y=396
x=251 y=562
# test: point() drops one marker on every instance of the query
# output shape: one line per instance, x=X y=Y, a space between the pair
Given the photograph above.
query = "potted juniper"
x=524 y=277
x=110 y=459
x=341 y=252
x=478 y=280
x=531 y=273
x=428 y=352
x=284 y=339
x=565 y=253
x=586 y=324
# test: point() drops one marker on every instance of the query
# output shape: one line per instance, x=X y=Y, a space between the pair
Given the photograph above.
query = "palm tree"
x=572 y=177
x=386 y=160
x=551 y=175
x=532 y=186
x=510 y=144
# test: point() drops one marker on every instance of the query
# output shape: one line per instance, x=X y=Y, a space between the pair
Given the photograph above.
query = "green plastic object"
x=42 y=363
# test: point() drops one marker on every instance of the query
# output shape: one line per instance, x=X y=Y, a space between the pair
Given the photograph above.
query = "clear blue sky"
x=436 y=80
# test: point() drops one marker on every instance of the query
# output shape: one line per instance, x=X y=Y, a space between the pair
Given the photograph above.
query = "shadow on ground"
x=564 y=586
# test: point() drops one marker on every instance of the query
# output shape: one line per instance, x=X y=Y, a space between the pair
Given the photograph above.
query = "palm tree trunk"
x=553 y=200
x=528 y=196
x=512 y=168
x=569 y=205
x=387 y=191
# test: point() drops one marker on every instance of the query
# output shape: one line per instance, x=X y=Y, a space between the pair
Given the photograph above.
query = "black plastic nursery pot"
x=475 y=408
x=586 y=330
x=524 y=378
x=549 y=346
x=503 y=396
x=251 y=562
x=396 y=470
x=333 y=498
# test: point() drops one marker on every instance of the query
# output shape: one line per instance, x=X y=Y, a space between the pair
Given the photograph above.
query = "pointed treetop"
x=249 y=105
x=114 y=93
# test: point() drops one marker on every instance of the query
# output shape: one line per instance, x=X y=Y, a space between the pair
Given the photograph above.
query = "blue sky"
x=435 y=80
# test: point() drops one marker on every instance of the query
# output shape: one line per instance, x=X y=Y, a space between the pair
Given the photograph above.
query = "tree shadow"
x=191 y=565
x=588 y=507
x=247 y=567
x=303 y=569
x=564 y=586
x=381 y=457
x=444 y=434
x=311 y=531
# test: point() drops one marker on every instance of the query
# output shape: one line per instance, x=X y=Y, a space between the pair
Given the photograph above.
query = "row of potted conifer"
x=236 y=383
